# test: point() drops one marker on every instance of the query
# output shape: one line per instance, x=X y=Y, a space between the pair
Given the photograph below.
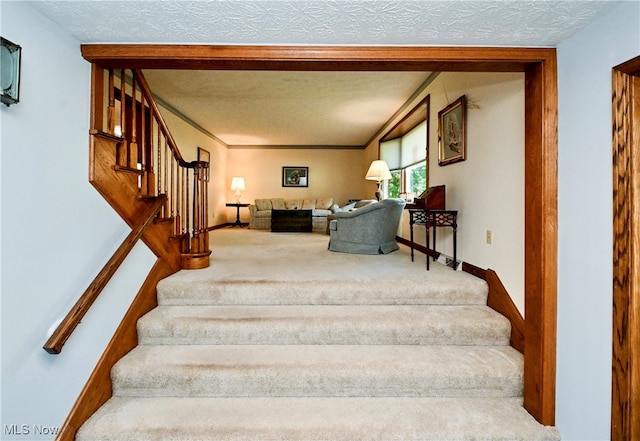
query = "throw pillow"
x=292 y=204
x=324 y=203
x=278 y=204
x=308 y=204
x=263 y=204
x=349 y=207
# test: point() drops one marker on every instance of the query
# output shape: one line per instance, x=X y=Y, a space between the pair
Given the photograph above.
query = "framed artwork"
x=295 y=176
x=203 y=155
x=451 y=132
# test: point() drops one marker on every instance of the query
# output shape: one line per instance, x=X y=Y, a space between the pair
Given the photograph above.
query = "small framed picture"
x=295 y=176
x=451 y=132
x=203 y=155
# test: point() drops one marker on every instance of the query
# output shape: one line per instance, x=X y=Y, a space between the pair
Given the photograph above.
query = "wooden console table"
x=291 y=221
x=434 y=219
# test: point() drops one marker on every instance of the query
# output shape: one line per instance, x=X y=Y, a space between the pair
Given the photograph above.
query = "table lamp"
x=378 y=171
x=237 y=184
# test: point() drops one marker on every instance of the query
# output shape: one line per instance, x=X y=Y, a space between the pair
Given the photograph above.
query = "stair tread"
x=344 y=419
x=324 y=324
x=320 y=370
x=240 y=291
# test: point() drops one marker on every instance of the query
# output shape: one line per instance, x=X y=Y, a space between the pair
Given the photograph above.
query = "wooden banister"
x=74 y=317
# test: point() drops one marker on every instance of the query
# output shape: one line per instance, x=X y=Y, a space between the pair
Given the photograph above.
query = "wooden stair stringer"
x=120 y=190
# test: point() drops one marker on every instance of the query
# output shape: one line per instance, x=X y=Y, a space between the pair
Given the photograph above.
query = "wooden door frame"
x=625 y=385
x=541 y=150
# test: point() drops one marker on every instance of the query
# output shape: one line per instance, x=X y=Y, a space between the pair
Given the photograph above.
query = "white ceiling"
x=307 y=108
x=340 y=109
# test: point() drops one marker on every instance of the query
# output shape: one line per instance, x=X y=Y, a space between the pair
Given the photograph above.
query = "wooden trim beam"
x=541 y=214
x=625 y=398
x=316 y=58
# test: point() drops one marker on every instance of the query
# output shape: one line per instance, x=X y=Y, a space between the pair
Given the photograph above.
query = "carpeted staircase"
x=238 y=356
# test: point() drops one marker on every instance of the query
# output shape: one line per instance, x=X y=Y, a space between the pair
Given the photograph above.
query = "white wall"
x=57 y=231
x=487 y=188
x=585 y=220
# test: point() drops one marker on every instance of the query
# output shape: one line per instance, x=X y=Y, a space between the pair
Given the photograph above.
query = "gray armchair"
x=369 y=230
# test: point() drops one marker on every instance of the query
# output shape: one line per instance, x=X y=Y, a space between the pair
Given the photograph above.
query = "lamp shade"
x=378 y=171
x=237 y=183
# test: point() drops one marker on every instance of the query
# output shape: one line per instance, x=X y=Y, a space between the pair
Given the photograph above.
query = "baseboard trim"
x=498 y=298
x=98 y=388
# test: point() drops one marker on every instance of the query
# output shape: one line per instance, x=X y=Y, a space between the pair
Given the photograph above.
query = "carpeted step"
x=324 y=324
x=316 y=370
x=314 y=419
x=181 y=289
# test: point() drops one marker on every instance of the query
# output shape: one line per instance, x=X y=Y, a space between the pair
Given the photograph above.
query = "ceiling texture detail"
x=310 y=109
x=424 y=22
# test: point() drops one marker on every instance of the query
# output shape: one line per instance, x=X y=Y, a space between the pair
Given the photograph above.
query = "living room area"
x=487 y=188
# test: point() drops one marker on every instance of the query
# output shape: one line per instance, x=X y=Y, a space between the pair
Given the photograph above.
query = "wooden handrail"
x=74 y=317
x=148 y=95
x=145 y=146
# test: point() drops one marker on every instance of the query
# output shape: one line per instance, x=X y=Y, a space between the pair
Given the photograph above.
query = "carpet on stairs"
x=282 y=339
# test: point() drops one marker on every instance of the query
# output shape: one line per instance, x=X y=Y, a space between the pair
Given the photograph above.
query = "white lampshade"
x=237 y=184
x=378 y=171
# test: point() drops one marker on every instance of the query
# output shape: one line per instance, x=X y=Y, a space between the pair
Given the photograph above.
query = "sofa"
x=260 y=211
x=371 y=229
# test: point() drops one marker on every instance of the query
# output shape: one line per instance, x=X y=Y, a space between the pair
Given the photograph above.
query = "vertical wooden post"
x=541 y=153
x=625 y=400
x=97 y=98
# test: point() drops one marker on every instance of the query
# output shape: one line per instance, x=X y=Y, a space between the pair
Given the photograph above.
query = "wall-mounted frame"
x=205 y=156
x=10 y=55
x=452 y=132
x=295 y=176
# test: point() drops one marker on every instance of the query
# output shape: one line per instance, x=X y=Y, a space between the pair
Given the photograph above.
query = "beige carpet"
x=313 y=274
x=281 y=339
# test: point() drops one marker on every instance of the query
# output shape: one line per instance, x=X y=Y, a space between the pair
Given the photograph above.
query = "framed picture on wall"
x=295 y=176
x=451 y=132
x=204 y=156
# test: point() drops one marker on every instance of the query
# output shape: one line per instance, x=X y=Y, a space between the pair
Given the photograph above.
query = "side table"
x=434 y=219
x=238 y=205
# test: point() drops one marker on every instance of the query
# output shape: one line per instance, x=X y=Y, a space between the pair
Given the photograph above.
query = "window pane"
x=393 y=188
x=417 y=178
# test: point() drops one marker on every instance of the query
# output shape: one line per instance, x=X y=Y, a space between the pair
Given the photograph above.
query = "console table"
x=291 y=221
x=238 y=205
x=434 y=219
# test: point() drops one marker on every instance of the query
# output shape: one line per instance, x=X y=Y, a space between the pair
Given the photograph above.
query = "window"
x=406 y=157
x=405 y=150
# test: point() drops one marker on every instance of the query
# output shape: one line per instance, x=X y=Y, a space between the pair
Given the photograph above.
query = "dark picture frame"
x=11 y=59
x=295 y=176
x=205 y=156
x=452 y=140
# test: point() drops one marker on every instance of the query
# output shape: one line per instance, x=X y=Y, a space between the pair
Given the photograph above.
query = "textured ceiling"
x=243 y=108
x=287 y=108
x=424 y=22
